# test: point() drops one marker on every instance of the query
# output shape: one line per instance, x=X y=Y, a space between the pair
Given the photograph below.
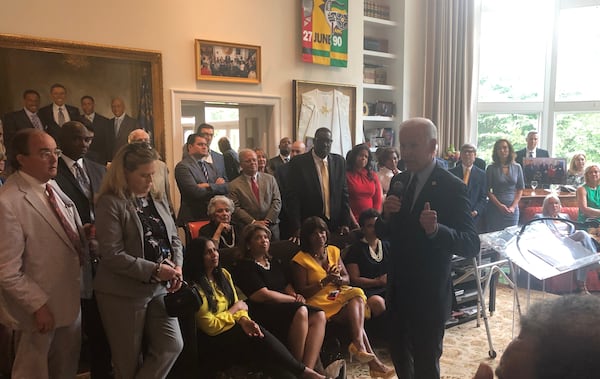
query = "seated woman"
x=272 y=300
x=588 y=195
x=551 y=208
x=321 y=277
x=575 y=175
x=366 y=263
x=225 y=319
x=220 y=229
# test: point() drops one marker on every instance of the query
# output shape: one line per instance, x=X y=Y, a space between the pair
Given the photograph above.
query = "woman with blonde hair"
x=575 y=173
x=140 y=261
x=588 y=195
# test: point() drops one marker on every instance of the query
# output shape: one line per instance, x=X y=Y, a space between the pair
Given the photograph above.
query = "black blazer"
x=419 y=271
x=68 y=183
x=128 y=125
x=273 y=164
x=100 y=150
x=539 y=153
x=304 y=197
x=13 y=122
x=45 y=114
x=476 y=189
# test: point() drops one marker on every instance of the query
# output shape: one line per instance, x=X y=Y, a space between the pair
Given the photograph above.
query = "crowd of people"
x=111 y=250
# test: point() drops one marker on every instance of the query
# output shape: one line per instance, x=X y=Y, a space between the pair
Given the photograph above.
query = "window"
x=538 y=70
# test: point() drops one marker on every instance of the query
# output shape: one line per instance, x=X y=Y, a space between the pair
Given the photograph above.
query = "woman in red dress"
x=364 y=188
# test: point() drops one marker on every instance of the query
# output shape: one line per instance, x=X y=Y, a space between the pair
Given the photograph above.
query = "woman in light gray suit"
x=141 y=260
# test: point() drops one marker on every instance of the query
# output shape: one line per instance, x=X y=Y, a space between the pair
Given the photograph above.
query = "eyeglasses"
x=46 y=154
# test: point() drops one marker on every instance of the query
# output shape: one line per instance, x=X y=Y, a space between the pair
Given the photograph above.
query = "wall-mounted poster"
x=325 y=32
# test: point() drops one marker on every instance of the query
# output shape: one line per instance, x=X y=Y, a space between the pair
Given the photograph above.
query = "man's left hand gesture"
x=428 y=219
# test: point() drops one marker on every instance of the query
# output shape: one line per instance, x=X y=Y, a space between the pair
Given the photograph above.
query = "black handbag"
x=184 y=302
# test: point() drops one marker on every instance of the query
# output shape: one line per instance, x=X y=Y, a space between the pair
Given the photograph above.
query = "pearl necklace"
x=232 y=239
x=376 y=255
x=266 y=266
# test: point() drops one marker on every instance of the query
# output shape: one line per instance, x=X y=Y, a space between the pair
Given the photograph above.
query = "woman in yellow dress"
x=320 y=276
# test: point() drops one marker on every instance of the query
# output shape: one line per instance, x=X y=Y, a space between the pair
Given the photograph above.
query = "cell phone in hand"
x=333 y=295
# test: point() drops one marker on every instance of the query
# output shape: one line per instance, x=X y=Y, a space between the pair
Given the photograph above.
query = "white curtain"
x=449 y=56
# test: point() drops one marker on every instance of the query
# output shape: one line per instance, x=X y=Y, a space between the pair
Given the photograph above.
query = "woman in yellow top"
x=225 y=319
x=320 y=276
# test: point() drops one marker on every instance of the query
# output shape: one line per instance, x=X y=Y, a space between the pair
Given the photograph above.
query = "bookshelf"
x=382 y=71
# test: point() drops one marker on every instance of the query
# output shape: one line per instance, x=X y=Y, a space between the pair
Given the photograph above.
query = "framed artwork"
x=103 y=72
x=227 y=62
x=328 y=105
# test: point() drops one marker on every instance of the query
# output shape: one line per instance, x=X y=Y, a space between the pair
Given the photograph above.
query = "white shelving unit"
x=383 y=49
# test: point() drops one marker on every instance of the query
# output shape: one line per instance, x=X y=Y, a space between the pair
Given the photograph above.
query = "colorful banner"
x=325 y=32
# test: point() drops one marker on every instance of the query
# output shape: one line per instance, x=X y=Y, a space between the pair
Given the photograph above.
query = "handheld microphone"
x=397 y=189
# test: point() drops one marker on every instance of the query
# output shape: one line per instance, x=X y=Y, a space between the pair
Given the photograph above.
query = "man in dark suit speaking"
x=427 y=218
x=310 y=195
x=531 y=151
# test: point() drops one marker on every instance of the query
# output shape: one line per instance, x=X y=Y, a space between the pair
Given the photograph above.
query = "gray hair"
x=212 y=204
x=566 y=331
x=545 y=203
x=429 y=127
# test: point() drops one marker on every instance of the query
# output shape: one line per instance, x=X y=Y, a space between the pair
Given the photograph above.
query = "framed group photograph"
x=328 y=105
x=227 y=62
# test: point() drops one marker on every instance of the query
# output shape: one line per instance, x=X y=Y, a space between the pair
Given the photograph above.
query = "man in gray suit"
x=123 y=125
x=40 y=255
x=198 y=181
x=255 y=195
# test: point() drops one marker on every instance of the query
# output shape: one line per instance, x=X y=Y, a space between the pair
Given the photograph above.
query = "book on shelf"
x=376 y=10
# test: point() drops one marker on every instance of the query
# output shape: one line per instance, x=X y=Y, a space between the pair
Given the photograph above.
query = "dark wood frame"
x=200 y=43
x=153 y=58
x=302 y=86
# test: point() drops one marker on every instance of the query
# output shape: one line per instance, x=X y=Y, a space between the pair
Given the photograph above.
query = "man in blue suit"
x=215 y=158
x=474 y=178
x=427 y=218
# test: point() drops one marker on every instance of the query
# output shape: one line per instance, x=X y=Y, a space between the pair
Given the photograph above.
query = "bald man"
x=284 y=156
x=161 y=175
x=122 y=125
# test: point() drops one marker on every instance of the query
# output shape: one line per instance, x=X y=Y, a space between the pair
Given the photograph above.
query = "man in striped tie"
x=57 y=113
x=475 y=180
x=198 y=181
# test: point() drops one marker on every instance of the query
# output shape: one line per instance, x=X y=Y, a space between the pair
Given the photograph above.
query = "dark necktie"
x=531 y=154
x=204 y=170
x=409 y=194
x=255 y=189
x=35 y=120
x=61 y=117
x=72 y=234
x=286 y=159
x=83 y=181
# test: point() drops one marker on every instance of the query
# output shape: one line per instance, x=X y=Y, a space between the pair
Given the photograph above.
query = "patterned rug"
x=466 y=345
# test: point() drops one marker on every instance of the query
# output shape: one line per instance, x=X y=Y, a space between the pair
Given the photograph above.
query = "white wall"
x=171 y=27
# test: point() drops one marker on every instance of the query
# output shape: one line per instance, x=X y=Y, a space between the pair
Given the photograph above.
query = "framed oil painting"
x=101 y=71
x=227 y=62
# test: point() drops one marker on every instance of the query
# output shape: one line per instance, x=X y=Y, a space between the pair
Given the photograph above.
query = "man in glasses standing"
x=40 y=260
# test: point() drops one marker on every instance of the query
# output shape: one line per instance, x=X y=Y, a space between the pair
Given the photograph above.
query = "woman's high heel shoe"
x=361 y=356
x=382 y=374
x=334 y=368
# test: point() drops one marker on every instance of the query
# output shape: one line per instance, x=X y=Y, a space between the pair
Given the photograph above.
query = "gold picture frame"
x=301 y=87
x=227 y=62
x=101 y=71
